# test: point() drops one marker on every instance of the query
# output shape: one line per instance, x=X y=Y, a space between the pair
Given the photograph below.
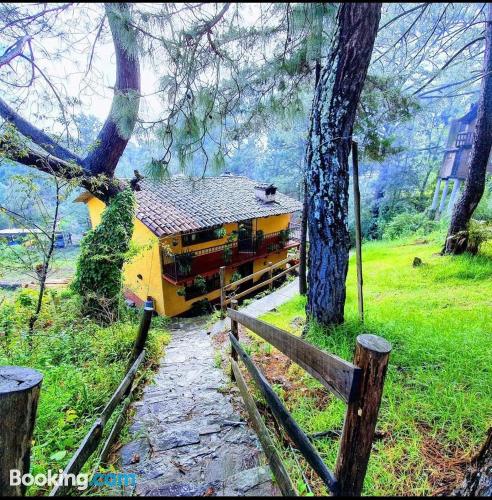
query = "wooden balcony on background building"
x=182 y=266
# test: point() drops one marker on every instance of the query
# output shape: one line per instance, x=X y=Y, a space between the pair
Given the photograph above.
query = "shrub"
x=478 y=233
x=408 y=224
x=103 y=251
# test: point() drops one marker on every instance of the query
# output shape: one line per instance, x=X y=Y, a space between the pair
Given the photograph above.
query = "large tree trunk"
x=457 y=239
x=478 y=479
x=332 y=116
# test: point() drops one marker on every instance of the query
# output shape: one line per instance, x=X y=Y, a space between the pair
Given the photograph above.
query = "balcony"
x=179 y=267
x=464 y=139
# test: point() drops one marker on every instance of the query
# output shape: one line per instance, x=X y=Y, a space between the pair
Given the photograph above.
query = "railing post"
x=222 y=292
x=371 y=355
x=19 y=394
x=143 y=331
x=270 y=276
x=235 y=332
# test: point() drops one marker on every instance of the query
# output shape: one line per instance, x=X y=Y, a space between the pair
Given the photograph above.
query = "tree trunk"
x=478 y=479
x=303 y=246
x=19 y=394
x=332 y=120
x=457 y=238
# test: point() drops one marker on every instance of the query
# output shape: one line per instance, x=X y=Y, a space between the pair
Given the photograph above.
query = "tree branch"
x=39 y=137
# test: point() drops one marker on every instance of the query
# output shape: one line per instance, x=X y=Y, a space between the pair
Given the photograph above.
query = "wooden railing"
x=191 y=263
x=464 y=139
x=19 y=450
x=358 y=384
x=225 y=297
x=122 y=394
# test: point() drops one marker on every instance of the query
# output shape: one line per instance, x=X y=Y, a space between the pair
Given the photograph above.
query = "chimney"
x=265 y=192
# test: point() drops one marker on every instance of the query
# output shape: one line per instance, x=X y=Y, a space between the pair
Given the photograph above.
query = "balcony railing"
x=187 y=264
x=464 y=139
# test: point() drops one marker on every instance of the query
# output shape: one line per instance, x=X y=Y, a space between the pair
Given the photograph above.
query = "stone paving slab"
x=188 y=439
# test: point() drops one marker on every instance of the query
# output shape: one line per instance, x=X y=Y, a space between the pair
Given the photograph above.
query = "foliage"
x=260 y=235
x=82 y=364
x=436 y=404
x=284 y=236
x=407 y=224
x=103 y=251
x=184 y=262
x=227 y=253
x=220 y=232
x=478 y=233
x=200 y=283
x=236 y=275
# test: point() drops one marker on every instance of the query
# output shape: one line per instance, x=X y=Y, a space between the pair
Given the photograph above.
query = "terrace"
x=179 y=267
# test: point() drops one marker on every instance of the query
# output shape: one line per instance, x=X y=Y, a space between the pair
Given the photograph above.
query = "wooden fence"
x=226 y=298
x=92 y=439
x=358 y=384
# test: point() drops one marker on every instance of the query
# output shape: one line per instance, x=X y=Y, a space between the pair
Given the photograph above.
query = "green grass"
x=82 y=364
x=437 y=402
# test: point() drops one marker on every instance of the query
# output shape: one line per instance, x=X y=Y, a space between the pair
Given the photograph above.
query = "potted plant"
x=284 y=236
x=220 y=232
x=184 y=262
x=260 y=236
x=200 y=283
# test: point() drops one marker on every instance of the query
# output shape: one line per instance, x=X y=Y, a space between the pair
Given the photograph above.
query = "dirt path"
x=188 y=439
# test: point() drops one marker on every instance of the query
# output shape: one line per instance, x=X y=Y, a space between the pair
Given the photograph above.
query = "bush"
x=408 y=224
x=103 y=251
x=82 y=364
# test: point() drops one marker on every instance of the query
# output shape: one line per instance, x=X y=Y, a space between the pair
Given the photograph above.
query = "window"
x=212 y=283
x=210 y=234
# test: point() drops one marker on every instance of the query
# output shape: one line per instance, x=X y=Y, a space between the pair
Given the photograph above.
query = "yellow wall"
x=148 y=261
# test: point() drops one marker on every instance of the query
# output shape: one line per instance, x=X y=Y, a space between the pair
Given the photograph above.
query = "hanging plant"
x=227 y=254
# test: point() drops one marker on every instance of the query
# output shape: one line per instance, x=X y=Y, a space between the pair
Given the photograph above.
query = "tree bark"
x=332 y=116
x=457 y=238
x=478 y=479
x=19 y=394
x=303 y=245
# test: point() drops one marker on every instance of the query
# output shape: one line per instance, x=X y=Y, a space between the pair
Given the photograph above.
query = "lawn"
x=437 y=403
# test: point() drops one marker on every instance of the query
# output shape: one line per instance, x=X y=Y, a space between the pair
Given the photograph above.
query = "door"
x=245 y=236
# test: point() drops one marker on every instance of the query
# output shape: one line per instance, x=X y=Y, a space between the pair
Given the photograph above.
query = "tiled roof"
x=180 y=204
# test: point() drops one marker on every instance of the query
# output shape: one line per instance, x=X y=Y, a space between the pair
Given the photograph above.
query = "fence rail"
x=19 y=436
x=224 y=288
x=122 y=393
x=359 y=384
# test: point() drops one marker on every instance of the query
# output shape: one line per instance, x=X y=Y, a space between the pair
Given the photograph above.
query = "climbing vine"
x=103 y=251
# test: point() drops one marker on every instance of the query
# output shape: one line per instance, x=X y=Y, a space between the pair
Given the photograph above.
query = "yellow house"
x=186 y=230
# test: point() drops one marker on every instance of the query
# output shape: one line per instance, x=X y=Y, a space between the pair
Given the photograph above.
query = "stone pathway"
x=189 y=441
x=187 y=438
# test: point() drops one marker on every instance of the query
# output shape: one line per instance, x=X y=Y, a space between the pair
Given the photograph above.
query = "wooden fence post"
x=358 y=230
x=222 y=292
x=143 y=331
x=270 y=275
x=371 y=355
x=19 y=394
x=235 y=332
